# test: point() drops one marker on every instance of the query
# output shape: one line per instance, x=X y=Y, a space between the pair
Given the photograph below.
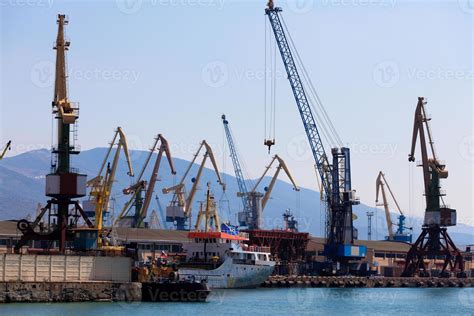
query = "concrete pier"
x=42 y=292
x=367 y=282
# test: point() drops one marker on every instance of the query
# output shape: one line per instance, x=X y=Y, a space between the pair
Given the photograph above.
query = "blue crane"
x=336 y=177
x=241 y=181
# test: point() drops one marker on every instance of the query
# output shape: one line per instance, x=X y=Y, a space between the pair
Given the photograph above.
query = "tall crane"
x=246 y=214
x=64 y=185
x=142 y=205
x=400 y=234
x=7 y=147
x=336 y=177
x=259 y=201
x=434 y=240
x=101 y=185
x=180 y=207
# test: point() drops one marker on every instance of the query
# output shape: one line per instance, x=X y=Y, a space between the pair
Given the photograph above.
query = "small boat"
x=224 y=260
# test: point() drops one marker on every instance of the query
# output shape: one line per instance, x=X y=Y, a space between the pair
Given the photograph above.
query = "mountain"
x=22 y=187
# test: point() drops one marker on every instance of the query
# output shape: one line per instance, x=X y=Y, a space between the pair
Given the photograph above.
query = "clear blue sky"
x=144 y=65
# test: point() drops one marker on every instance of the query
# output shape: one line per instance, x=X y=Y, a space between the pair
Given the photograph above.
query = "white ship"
x=225 y=261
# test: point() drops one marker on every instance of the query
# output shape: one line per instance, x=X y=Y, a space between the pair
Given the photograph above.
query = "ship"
x=224 y=260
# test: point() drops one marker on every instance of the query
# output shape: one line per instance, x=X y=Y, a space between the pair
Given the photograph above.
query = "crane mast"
x=243 y=190
x=64 y=184
x=335 y=177
x=434 y=240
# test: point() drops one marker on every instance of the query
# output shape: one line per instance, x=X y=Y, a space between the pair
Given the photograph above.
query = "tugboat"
x=160 y=283
x=221 y=257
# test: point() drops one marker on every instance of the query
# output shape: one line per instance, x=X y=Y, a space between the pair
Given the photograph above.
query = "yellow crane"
x=257 y=206
x=209 y=212
x=142 y=206
x=7 y=147
x=179 y=210
x=101 y=185
x=400 y=234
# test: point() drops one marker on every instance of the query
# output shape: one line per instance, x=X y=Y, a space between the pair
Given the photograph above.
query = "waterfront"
x=295 y=301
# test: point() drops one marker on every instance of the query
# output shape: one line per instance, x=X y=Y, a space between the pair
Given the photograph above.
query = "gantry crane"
x=336 y=176
x=400 y=234
x=245 y=216
x=64 y=184
x=7 y=147
x=259 y=201
x=180 y=207
x=209 y=212
x=434 y=241
x=142 y=205
x=101 y=185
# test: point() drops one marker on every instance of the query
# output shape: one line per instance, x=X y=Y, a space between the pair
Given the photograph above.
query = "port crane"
x=245 y=215
x=335 y=177
x=259 y=201
x=141 y=204
x=7 y=147
x=64 y=185
x=209 y=212
x=180 y=207
x=101 y=186
x=434 y=240
x=400 y=234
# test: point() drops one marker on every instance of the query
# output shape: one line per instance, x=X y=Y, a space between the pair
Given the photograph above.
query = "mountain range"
x=22 y=180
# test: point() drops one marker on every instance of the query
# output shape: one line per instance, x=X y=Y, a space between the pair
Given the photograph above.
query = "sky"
x=175 y=66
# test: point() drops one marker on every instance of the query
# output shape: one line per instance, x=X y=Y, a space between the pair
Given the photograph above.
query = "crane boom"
x=243 y=190
x=381 y=188
x=7 y=147
x=282 y=165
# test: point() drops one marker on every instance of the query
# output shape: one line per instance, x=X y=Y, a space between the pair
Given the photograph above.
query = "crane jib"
x=304 y=108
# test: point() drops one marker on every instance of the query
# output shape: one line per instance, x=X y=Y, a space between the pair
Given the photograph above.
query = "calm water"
x=280 y=302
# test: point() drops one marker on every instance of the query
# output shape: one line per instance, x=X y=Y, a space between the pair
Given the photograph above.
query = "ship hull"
x=230 y=275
